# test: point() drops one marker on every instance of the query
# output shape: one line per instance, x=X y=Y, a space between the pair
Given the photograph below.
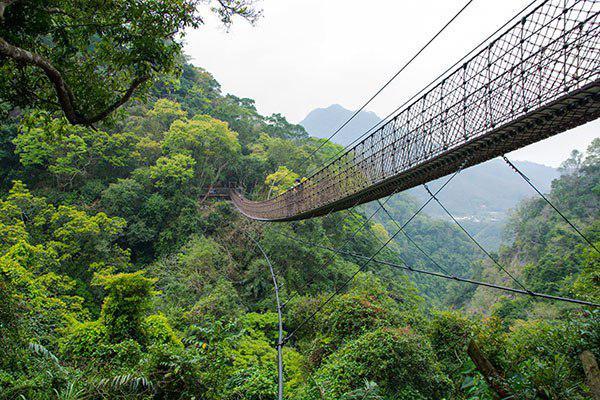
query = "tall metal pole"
x=280 y=340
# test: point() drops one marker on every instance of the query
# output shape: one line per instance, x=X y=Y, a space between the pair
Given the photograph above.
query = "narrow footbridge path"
x=540 y=77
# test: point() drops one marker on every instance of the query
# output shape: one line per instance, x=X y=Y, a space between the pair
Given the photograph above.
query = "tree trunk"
x=592 y=374
x=492 y=376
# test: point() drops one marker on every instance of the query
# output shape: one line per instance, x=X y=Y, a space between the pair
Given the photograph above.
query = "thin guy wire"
x=337 y=226
x=337 y=291
x=340 y=247
x=444 y=270
x=280 y=321
x=320 y=243
x=306 y=284
x=451 y=277
x=475 y=241
x=307 y=158
x=383 y=121
x=526 y=178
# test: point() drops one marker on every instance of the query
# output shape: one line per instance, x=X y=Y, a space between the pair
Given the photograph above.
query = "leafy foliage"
x=117 y=46
x=122 y=278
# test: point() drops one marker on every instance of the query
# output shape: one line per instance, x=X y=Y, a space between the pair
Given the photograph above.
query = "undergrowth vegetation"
x=121 y=278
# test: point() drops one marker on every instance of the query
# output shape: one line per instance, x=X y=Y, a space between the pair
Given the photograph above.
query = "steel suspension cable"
x=407 y=267
x=294 y=223
x=444 y=270
x=320 y=245
x=475 y=240
x=414 y=96
x=526 y=178
x=389 y=81
x=363 y=266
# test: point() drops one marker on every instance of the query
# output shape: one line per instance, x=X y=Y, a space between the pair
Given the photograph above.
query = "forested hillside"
x=544 y=251
x=122 y=279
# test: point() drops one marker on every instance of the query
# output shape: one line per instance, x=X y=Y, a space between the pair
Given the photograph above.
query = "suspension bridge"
x=539 y=77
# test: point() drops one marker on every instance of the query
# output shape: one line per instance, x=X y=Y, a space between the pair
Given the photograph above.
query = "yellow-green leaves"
x=280 y=180
x=172 y=172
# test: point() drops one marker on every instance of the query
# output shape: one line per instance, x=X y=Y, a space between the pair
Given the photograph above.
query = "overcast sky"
x=306 y=54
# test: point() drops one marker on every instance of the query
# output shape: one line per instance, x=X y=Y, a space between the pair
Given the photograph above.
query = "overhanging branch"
x=64 y=94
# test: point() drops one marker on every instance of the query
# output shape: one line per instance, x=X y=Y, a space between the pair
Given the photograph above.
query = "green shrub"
x=157 y=330
x=128 y=299
x=176 y=373
x=399 y=360
x=83 y=339
x=542 y=357
x=353 y=315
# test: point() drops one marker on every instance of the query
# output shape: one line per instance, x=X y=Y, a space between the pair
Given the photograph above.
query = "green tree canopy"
x=88 y=58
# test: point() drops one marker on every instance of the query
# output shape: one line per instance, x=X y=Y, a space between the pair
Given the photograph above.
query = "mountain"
x=322 y=122
x=483 y=196
x=489 y=189
x=480 y=196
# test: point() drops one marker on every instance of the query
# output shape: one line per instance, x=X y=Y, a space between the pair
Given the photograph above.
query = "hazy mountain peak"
x=322 y=122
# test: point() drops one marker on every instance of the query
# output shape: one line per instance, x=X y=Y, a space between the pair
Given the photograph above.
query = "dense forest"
x=121 y=278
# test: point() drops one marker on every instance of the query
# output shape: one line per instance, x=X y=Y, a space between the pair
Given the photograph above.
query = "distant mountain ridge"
x=322 y=122
x=489 y=188
x=481 y=196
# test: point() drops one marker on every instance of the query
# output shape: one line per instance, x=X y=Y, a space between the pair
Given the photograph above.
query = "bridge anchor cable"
x=530 y=183
x=365 y=264
x=476 y=242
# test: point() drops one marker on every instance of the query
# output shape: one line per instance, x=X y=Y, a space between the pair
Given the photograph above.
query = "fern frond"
x=40 y=350
x=127 y=381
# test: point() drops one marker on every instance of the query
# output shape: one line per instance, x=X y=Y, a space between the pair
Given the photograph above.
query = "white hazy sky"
x=305 y=54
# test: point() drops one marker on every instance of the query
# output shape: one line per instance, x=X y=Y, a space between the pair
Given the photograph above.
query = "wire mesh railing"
x=538 y=78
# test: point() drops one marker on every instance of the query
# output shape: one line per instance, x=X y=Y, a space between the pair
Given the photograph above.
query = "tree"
x=171 y=173
x=280 y=180
x=210 y=143
x=572 y=164
x=71 y=153
x=278 y=126
x=127 y=301
x=88 y=58
x=69 y=241
x=390 y=357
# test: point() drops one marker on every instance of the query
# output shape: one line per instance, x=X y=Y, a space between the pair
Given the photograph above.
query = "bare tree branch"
x=229 y=8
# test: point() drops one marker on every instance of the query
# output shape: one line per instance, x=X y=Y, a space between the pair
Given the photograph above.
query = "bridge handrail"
x=551 y=52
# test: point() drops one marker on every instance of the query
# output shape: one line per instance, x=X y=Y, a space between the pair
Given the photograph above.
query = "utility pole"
x=280 y=339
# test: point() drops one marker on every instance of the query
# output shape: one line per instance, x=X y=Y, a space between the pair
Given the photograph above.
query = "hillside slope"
x=544 y=252
x=120 y=279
